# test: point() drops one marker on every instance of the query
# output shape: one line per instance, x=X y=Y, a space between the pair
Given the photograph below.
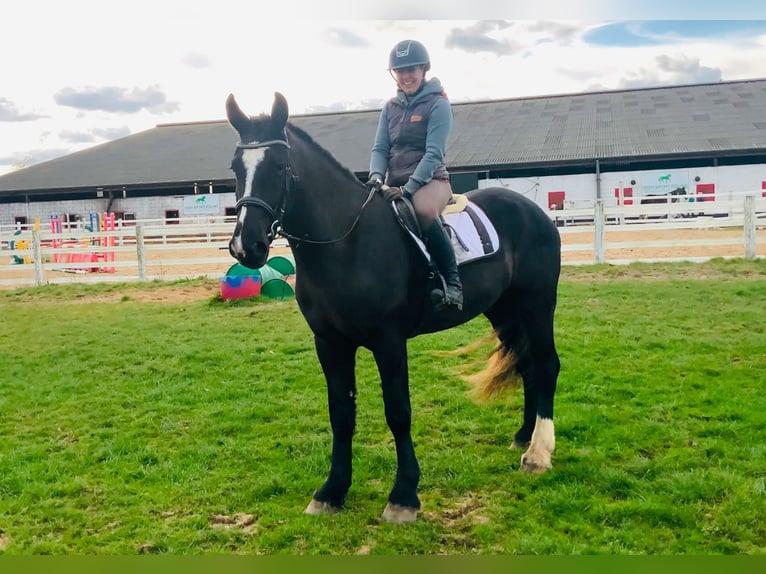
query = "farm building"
x=562 y=151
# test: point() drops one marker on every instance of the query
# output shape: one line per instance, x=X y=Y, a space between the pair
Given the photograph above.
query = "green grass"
x=132 y=427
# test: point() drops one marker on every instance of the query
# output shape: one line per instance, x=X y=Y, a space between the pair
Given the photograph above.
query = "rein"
x=278 y=215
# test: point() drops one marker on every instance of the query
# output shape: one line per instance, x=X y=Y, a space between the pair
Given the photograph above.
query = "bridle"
x=277 y=215
x=290 y=179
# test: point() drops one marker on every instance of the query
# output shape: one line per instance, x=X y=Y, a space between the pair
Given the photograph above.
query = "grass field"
x=201 y=427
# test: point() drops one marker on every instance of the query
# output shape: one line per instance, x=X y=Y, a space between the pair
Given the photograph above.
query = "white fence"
x=157 y=250
x=665 y=232
x=141 y=251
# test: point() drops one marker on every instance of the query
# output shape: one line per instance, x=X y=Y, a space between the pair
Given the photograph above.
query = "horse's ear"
x=279 y=110
x=237 y=118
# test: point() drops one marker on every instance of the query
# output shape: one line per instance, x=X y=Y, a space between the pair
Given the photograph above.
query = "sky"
x=81 y=73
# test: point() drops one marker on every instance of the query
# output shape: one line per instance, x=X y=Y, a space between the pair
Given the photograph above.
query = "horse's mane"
x=306 y=138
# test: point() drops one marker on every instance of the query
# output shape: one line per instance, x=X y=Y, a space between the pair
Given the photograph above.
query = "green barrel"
x=277 y=289
x=268 y=273
x=285 y=264
x=239 y=270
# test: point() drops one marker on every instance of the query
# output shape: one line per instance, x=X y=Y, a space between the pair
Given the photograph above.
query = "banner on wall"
x=663 y=182
x=206 y=204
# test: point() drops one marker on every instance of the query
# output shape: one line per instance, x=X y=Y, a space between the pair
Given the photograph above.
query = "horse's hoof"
x=396 y=514
x=316 y=508
x=534 y=465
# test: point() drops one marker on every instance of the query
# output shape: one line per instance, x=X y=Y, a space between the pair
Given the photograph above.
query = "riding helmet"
x=408 y=53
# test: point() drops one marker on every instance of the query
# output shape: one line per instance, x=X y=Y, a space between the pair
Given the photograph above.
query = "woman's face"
x=410 y=79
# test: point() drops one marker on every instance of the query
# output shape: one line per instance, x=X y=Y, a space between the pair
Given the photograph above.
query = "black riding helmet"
x=408 y=53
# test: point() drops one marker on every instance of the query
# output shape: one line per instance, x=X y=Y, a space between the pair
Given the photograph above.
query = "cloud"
x=559 y=32
x=90 y=136
x=631 y=34
x=111 y=133
x=10 y=113
x=346 y=38
x=369 y=104
x=477 y=38
x=197 y=61
x=76 y=137
x=28 y=158
x=115 y=99
x=668 y=70
x=93 y=135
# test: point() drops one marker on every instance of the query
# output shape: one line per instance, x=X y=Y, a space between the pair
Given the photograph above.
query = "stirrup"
x=440 y=298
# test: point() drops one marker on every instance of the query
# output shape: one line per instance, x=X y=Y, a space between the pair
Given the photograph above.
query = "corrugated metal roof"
x=550 y=130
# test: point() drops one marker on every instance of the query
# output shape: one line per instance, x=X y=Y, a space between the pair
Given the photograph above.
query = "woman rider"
x=408 y=154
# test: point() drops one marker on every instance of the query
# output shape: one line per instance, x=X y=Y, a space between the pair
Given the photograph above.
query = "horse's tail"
x=499 y=373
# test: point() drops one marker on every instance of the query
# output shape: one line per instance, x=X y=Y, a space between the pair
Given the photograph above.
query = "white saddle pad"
x=472 y=233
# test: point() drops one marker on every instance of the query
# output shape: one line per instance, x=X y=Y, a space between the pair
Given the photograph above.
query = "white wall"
x=580 y=190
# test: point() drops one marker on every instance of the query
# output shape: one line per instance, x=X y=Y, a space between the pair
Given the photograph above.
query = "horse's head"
x=263 y=176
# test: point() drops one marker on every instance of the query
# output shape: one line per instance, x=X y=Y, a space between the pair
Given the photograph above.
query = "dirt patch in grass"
x=169 y=294
x=239 y=520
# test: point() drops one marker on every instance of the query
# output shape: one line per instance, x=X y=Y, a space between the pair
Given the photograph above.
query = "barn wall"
x=580 y=190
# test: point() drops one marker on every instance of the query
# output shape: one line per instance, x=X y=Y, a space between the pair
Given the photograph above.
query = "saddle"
x=472 y=234
x=405 y=212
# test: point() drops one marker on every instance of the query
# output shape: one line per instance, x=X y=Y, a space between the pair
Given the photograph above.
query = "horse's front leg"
x=337 y=359
x=390 y=354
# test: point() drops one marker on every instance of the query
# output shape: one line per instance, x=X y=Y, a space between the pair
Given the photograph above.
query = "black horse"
x=664 y=199
x=669 y=197
x=361 y=282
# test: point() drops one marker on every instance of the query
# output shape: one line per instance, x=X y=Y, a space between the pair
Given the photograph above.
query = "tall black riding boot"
x=440 y=247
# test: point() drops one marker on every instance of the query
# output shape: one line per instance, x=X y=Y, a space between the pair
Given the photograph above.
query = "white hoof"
x=535 y=465
x=537 y=459
x=396 y=514
x=316 y=508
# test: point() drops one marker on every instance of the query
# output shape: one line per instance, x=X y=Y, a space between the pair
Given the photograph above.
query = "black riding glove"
x=391 y=193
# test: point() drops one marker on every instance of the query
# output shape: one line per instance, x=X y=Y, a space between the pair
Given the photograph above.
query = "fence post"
x=140 y=252
x=37 y=255
x=750 y=241
x=599 y=221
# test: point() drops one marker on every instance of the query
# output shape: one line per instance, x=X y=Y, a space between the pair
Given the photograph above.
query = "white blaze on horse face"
x=250 y=158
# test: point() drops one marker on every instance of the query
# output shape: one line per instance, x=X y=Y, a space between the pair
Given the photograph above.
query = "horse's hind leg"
x=524 y=325
x=540 y=373
x=506 y=317
x=338 y=359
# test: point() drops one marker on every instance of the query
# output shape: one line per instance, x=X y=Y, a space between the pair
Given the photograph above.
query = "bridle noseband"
x=276 y=217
